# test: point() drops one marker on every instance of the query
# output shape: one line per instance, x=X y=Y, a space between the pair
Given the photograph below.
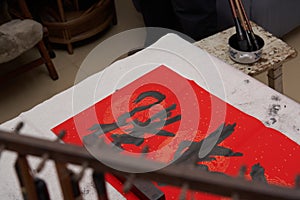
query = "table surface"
x=275 y=51
x=171 y=51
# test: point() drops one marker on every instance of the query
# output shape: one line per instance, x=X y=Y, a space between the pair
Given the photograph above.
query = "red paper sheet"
x=193 y=114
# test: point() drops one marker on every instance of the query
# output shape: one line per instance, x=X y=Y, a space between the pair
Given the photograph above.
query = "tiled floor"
x=35 y=86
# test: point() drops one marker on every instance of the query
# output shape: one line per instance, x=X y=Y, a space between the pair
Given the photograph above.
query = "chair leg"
x=47 y=43
x=67 y=37
x=48 y=62
x=70 y=48
x=115 y=18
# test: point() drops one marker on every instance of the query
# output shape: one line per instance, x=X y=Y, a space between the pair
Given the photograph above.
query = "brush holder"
x=244 y=57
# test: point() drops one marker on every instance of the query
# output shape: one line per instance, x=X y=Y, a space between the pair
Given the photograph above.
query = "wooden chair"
x=67 y=27
x=7 y=56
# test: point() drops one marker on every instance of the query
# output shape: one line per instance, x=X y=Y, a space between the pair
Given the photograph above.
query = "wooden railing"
x=180 y=175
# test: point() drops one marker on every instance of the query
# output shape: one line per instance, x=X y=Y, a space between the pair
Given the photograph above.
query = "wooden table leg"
x=275 y=78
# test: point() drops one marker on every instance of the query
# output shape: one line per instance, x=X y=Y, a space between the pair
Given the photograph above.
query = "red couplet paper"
x=168 y=113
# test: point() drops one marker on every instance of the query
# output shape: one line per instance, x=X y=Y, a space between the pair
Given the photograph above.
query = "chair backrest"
x=4 y=14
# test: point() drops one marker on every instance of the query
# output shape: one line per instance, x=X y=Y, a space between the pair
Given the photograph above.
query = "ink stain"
x=275 y=98
x=85 y=191
x=247 y=81
x=296 y=128
x=258 y=173
x=232 y=93
x=273 y=110
x=273 y=120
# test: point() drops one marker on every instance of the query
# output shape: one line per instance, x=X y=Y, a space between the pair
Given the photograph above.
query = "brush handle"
x=251 y=33
x=239 y=30
x=237 y=23
x=243 y=20
x=238 y=13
